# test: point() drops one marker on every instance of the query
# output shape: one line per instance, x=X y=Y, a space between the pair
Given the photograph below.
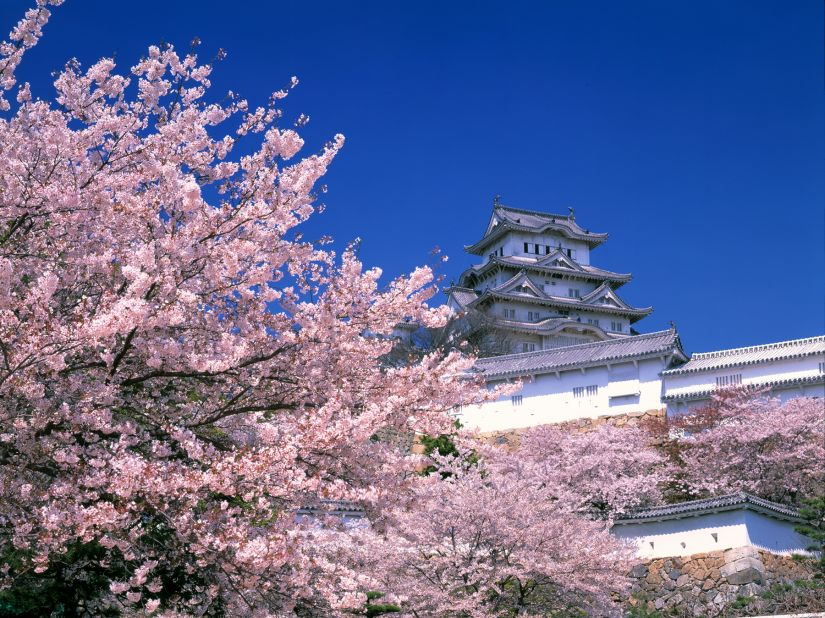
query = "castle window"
x=616 y=327
x=574 y=293
x=546 y=249
x=527 y=247
x=580 y=392
x=515 y=400
x=533 y=315
x=510 y=314
x=536 y=249
x=821 y=367
x=528 y=347
x=731 y=380
x=593 y=321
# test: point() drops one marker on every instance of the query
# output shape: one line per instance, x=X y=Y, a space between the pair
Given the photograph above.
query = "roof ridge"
x=759 y=347
x=577 y=346
x=527 y=211
x=731 y=499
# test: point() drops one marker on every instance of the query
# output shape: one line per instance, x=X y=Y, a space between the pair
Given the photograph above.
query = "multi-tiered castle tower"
x=535 y=284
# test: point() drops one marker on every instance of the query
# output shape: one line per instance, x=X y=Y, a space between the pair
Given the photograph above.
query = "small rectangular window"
x=510 y=314
x=546 y=249
x=731 y=380
x=528 y=347
x=821 y=367
x=515 y=400
x=593 y=321
x=592 y=391
x=536 y=249
x=574 y=293
x=616 y=327
x=579 y=392
x=527 y=247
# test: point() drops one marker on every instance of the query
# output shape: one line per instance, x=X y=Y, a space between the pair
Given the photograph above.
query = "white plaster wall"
x=513 y=244
x=684 y=384
x=693 y=535
x=762 y=372
x=773 y=535
x=549 y=398
x=695 y=532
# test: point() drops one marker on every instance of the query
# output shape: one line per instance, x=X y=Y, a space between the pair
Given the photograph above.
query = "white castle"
x=570 y=338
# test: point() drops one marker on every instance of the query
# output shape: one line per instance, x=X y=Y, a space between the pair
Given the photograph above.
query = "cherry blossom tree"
x=486 y=539
x=758 y=444
x=179 y=369
x=603 y=471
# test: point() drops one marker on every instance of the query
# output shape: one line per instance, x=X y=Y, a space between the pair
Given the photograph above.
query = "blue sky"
x=691 y=131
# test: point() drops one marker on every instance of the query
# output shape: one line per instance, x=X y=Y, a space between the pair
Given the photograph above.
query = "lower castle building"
x=556 y=323
x=643 y=373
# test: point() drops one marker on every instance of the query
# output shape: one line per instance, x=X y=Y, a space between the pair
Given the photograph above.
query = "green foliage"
x=69 y=584
x=378 y=609
x=77 y=582
x=813 y=512
x=444 y=446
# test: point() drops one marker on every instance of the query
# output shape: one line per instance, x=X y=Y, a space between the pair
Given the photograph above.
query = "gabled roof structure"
x=461 y=295
x=662 y=343
x=739 y=357
x=505 y=218
x=546 y=266
x=602 y=300
x=697 y=394
x=550 y=326
x=695 y=508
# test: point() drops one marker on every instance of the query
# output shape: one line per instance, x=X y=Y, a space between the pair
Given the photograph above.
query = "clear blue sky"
x=691 y=131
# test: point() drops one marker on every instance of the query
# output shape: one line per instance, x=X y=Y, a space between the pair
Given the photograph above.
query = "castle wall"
x=704 y=584
x=681 y=385
x=552 y=398
x=711 y=532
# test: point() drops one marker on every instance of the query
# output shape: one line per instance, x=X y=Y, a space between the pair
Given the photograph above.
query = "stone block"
x=745 y=576
x=639 y=571
x=674 y=574
x=744 y=571
x=736 y=553
x=684 y=580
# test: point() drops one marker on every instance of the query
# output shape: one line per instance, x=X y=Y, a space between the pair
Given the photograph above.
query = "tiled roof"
x=632 y=313
x=736 y=357
x=343 y=509
x=516 y=261
x=549 y=325
x=586 y=354
x=694 y=508
x=687 y=394
x=535 y=221
x=463 y=296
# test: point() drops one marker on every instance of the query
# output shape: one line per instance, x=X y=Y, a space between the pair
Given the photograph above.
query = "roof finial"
x=496 y=201
x=572 y=214
x=672 y=325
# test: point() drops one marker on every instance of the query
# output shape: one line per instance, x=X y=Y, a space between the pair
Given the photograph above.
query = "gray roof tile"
x=740 y=500
x=567 y=357
x=736 y=357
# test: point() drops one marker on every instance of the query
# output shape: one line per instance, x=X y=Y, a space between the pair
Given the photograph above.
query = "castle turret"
x=535 y=283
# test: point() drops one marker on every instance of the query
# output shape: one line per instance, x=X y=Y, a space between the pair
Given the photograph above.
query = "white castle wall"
x=513 y=244
x=693 y=535
x=681 y=385
x=548 y=398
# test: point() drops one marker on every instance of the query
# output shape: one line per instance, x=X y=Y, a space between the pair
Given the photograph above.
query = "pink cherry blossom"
x=179 y=370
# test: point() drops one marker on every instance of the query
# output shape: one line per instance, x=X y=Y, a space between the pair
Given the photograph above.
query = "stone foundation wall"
x=512 y=437
x=703 y=584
